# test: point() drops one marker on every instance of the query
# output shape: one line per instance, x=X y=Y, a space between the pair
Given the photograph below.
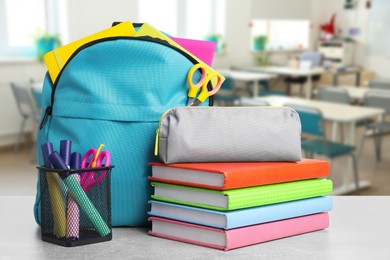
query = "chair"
x=313 y=125
x=247 y=101
x=37 y=96
x=237 y=68
x=338 y=95
x=380 y=99
x=379 y=83
x=26 y=107
x=264 y=89
x=316 y=59
x=333 y=94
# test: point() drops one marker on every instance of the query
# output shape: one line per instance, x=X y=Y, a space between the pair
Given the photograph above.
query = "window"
x=280 y=34
x=161 y=14
x=21 y=23
x=201 y=19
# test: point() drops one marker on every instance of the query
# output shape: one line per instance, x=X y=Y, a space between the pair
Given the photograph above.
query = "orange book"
x=233 y=175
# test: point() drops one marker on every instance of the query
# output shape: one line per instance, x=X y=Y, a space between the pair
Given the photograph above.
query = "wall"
x=281 y=9
x=378 y=63
x=89 y=16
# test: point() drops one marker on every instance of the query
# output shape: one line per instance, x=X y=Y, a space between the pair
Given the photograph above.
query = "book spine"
x=185 y=240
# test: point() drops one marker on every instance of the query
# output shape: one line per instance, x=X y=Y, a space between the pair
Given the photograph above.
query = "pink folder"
x=238 y=237
x=204 y=50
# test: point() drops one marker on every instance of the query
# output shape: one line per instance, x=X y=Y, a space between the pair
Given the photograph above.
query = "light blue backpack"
x=114 y=91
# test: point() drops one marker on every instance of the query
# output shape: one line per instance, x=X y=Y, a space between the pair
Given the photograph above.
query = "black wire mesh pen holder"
x=75 y=205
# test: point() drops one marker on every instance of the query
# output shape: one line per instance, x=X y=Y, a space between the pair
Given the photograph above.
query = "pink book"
x=204 y=50
x=238 y=237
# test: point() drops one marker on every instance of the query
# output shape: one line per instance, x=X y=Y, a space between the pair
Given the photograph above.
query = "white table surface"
x=292 y=72
x=337 y=114
x=246 y=76
x=359 y=229
x=287 y=71
x=341 y=113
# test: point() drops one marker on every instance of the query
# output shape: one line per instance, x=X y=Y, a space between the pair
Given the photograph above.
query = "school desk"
x=247 y=77
x=291 y=72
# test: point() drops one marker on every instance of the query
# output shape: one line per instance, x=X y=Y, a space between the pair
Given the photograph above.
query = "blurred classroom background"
x=328 y=57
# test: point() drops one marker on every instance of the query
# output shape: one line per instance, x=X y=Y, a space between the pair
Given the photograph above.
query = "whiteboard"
x=379 y=28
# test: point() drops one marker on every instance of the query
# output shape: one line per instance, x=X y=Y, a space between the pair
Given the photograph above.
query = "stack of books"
x=231 y=205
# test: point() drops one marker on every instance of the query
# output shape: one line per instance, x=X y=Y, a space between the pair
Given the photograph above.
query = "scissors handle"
x=84 y=162
x=103 y=155
x=195 y=87
x=87 y=179
x=99 y=163
x=205 y=93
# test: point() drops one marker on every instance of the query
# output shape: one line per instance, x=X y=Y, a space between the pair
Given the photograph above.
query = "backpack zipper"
x=49 y=109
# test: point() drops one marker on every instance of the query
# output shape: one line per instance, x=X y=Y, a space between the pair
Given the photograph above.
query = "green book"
x=241 y=198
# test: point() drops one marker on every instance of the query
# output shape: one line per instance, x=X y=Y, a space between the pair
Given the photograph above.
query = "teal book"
x=243 y=197
x=241 y=217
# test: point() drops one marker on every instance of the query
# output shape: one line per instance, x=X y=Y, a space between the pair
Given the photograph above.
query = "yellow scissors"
x=201 y=84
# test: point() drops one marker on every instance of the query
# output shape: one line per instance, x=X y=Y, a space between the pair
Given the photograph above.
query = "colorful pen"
x=65 y=150
x=79 y=195
x=53 y=183
x=72 y=209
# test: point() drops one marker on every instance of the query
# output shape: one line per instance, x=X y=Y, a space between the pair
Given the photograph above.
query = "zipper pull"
x=156 y=142
x=47 y=113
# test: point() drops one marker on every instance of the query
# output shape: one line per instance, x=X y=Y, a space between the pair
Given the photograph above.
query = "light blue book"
x=242 y=217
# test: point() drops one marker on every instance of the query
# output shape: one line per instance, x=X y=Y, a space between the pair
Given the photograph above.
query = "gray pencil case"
x=229 y=134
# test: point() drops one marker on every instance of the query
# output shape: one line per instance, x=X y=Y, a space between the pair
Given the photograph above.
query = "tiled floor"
x=18 y=175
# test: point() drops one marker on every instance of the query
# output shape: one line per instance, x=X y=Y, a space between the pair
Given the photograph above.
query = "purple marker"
x=75 y=161
x=65 y=150
x=47 y=149
x=58 y=163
